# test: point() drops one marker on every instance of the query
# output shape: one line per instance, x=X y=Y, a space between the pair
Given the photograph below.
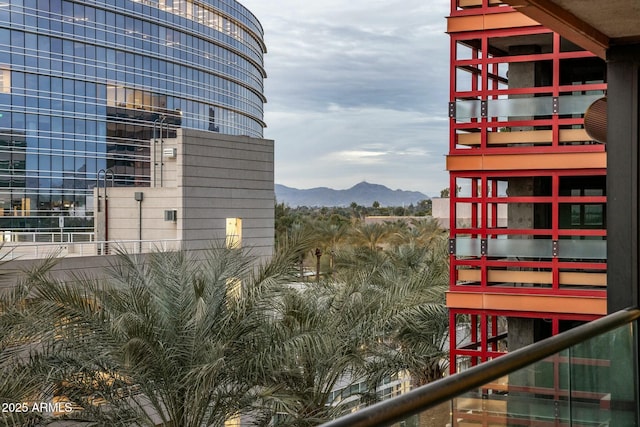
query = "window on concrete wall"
x=234 y=233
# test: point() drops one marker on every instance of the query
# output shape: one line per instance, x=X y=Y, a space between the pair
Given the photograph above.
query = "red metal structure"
x=529 y=261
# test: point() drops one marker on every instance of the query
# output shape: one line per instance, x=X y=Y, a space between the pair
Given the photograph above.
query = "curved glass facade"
x=85 y=86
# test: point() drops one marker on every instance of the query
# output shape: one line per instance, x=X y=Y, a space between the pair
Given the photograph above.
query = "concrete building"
x=157 y=98
x=519 y=93
x=215 y=187
x=610 y=33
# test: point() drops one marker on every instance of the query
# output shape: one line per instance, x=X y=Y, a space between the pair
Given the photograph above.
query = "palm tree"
x=421 y=329
x=420 y=325
x=330 y=236
x=370 y=235
x=318 y=347
x=17 y=384
x=184 y=342
x=427 y=231
x=162 y=340
x=382 y=313
x=412 y=280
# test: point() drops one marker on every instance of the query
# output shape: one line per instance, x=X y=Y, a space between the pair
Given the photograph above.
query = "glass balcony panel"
x=466 y=246
x=526 y=107
x=517 y=108
x=589 y=384
x=582 y=249
x=603 y=372
x=520 y=248
x=438 y=416
x=467 y=109
x=576 y=104
x=525 y=397
x=515 y=248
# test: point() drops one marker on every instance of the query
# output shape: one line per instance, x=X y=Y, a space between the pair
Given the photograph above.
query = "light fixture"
x=595 y=120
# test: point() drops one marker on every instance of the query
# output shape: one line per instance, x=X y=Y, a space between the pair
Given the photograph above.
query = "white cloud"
x=355 y=157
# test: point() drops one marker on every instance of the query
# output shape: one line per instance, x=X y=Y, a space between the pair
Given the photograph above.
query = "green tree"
x=445 y=192
x=424 y=207
x=287 y=219
x=18 y=383
x=426 y=232
x=413 y=279
x=370 y=235
x=330 y=235
x=192 y=342
x=356 y=210
x=318 y=343
x=421 y=325
x=164 y=338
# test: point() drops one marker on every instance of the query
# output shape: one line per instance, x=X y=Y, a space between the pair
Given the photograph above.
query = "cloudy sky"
x=357 y=91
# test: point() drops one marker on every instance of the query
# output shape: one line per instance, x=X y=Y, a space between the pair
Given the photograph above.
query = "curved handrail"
x=418 y=400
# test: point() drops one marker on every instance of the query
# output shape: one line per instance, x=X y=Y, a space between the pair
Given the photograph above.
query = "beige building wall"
x=440 y=210
x=212 y=178
x=227 y=177
x=66 y=269
x=125 y=219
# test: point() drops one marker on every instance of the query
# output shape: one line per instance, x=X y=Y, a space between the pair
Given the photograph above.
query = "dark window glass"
x=4 y=14
x=55 y=46
x=56 y=164
x=44 y=84
x=120 y=24
x=56 y=143
x=67 y=9
x=16 y=16
x=56 y=124
x=79 y=88
x=90 y=52
x=30 y=18
x=69 y=165
x=55 y=6
x=32 y=163
x=17 y=40
x=80 y=127
x=90 y=16
x=67 y=87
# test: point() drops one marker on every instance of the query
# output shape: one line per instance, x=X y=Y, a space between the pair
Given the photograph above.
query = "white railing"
x=17 y=250
x=46 y=237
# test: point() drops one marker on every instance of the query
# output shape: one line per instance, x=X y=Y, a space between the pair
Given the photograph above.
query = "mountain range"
x=363 y=194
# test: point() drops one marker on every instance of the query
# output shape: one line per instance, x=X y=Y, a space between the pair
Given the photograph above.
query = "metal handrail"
x=422 y=398
x=29 y=250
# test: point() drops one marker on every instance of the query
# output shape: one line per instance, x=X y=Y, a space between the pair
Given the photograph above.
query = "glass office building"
x=87 y=85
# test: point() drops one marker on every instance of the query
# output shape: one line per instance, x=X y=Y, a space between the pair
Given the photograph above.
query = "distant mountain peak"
x=363 y=193
x=365 y=184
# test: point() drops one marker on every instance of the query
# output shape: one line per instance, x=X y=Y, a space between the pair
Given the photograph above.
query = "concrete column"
x=623 y=71
x=623 y=67
x=520 y=215
x=524 y=74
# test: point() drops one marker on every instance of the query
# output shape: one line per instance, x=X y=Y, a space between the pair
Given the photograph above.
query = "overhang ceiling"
x=592 y=24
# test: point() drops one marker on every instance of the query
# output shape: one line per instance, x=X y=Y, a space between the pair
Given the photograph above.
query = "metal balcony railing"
x=510 y=108
x=70 y=245
x=530 y=248
x=587 y=376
